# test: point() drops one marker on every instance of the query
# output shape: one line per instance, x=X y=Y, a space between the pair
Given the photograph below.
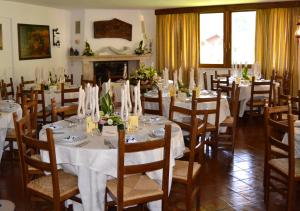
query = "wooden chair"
x=284 y=81
x=11 y=86
x=30 y=107
x=132 y=185
x=285 y=171
x=153 y=100
x=69 y=91
x=69 y=79
x=214 y=83
x=257 y=99
x=187 y=172
x=223 y=75
x=83 y=81
x=3 y=90
x=205 y=81
x=62 y=111
x=230 y=122
x=45 y=111
x=57 y=186
x=24 y=82
x=212 y=128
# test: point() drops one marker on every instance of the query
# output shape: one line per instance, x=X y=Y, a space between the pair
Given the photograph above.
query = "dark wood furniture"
x=205 y=81
x=62 y=111
x=214 y=83
x=58 y=186
x=156 y=100
x=69 y=79
x=9 y=85
x=139 y=187
x=45 y=112
x=24 y=82
x=286 y=169
x=229 y=136
x=258 y=97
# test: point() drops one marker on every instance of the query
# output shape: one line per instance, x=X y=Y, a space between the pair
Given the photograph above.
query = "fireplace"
x=109 y=69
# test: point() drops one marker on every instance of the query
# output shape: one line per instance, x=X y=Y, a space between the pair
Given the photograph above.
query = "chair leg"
x=188 y=199
x=290 y=195
x=198 y=204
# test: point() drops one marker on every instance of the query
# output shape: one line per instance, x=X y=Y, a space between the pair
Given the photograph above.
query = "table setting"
x=87 y=144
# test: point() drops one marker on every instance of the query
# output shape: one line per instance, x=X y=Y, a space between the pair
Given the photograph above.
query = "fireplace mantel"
x=134 y=61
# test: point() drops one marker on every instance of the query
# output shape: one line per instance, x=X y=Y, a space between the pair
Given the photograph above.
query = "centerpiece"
x=147 y=77
x=107 y=115
x=245 y=75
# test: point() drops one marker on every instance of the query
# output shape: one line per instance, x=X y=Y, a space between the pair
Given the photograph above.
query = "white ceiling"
x=134 y=4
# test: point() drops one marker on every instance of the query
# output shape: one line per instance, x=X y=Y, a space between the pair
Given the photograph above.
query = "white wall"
x=88 y=16
x=31 y=14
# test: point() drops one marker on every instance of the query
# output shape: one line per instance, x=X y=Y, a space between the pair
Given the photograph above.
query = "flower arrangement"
x=107 y=112
x=245 y=75
x=146 y=75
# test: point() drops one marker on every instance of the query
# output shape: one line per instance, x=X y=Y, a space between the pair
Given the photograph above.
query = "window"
x=212 y=38
x=243 y=37
x=226 y=38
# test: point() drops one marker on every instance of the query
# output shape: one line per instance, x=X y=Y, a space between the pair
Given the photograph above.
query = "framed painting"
x=1 y=39
x=34 y=41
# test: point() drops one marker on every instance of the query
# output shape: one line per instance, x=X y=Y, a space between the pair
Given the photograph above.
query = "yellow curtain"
x=177 y=42
x=276 y=45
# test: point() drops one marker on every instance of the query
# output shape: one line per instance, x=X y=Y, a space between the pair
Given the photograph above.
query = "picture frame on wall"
x=1 y=38
x=34 y=41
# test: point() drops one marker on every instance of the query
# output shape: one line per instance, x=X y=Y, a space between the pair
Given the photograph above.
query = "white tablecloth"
x=95 y=162
x=6 y=110
x=297 y=139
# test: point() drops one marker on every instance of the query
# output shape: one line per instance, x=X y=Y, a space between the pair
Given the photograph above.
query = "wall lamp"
x=56 y=41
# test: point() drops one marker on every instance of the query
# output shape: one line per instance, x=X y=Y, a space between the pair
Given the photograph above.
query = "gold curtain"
x=276 y=45
x=177 y=42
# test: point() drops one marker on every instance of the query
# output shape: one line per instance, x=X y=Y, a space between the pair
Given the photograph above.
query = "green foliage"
x=245 y=73
x=143 y=74
x=88 y=51
x=106 y=105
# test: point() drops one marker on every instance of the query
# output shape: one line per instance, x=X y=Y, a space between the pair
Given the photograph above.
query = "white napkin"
x=137 y=100
x=166 y=76
x=125 y=72
x=198 y=78
x=192 y=81
x=127 y=92
x=180 y=75
x=95 y=104
x=81 y=106
x=175 y=79
x=88 y=98
x=124 y=105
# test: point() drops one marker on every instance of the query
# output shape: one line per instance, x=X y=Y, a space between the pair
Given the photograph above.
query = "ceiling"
x=134 y=4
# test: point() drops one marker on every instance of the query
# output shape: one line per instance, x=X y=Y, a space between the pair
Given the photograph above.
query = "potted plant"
x=146 y=75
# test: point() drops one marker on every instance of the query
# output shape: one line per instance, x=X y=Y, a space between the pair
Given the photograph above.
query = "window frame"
x=227 y=29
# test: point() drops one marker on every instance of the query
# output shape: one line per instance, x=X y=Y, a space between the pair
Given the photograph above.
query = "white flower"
x=106 y=115
x=110 y=121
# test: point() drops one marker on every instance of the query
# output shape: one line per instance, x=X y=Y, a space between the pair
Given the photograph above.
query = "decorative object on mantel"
x=146 y=75
x=87 y=51
x=109 y=50
x=71 y=52
x=56 y=40
x=140 y=49
x=34 y=41
x=114 y=28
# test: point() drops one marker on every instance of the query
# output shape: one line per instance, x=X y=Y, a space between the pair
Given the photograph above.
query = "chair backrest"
x=83 y=81
x=261 y=92
x=205 y=81
x=214 y=110
x=9 y=85
x=284 y=80
x=214 y=83
x=272 y=128
x=24 y=82
x=153 y=100
x=27 y=144
x=61 y=110
x=145 y=167
x=69 y=91
x=69 y=79
x=30 y=107
x=41 y=101
x=234 y=110
x=3 y=90
x=222 y=75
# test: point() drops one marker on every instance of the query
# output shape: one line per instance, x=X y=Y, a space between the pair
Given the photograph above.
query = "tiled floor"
x=227 y=182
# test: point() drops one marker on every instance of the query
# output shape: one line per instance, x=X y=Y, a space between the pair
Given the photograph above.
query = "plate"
x=159 y=133
x=54 y=127
x=72 y=139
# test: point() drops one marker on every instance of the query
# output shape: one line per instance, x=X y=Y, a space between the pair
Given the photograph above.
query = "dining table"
x=297 y=138
x=185 y=101
x=7 y=108
x=93 y=156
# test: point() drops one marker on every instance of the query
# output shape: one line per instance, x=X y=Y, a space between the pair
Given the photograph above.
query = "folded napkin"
x=192 y=81
x=175 y=79
x=180 y=75
x=125 y=72
x=137 y=100
x=127 y=91
x=81 y=103
x=166 y=76
x=88 y=98
x=95 y=114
